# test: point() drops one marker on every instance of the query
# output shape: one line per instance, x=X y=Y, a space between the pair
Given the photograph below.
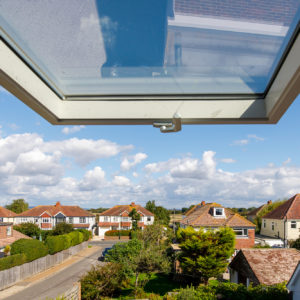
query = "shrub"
x=12 y=261
x=7 y=249
x=86 y=234
x=67 y=241
x=117 y=233
x=101 y=281
x=76 y=236
x=46 y=233
x=33 y=249
x=28 y=229
x=62 y=228
x=55 y=243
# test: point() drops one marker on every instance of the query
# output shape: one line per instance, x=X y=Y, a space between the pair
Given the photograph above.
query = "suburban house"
x=117 y=218
x=47 y=216
x=263 y=266
x=294 y=283
x=8 y=235
x=6 y=215
x=254 y=213
x=284 y=221
x=213 y=216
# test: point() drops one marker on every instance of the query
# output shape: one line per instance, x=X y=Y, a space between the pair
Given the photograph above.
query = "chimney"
x=202 y=203
x=132 y=204
x=269 y=202
x=57 y=204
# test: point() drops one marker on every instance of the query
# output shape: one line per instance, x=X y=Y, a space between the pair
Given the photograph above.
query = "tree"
x=101 y=281
x=296 y=244
x=162 y=215
x=62 y=228
x=28 y=229
x=135 y=217
x=18 y=206
x=205 y=254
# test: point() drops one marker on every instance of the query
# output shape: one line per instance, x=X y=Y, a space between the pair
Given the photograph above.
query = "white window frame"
x=1 y=219
x=71 y=220
x=243 y=231
x=82 y=220
x=8 y=231
x=106 y=219
x=148 y=219
x=115 y=219
x=46 y=220
x=293 y=223
x=219 y=209
x=126 y=219
x=19 y=78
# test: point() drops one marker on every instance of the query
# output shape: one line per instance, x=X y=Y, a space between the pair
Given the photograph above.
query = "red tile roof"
x=81 y=225
x=271 y=266
x=6 y=213
x=119 y=209
x=16 y=235
x=68 y=211
x=201 y=215
x=255 y=211
x=108 y=224
x=289 y=209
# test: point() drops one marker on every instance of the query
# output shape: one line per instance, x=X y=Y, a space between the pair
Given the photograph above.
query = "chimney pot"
x=203 y=203
x=269 y=202
x=57 y=204
x=132 y=204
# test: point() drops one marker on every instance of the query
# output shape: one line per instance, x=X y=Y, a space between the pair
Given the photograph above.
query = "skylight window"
x=76 y=62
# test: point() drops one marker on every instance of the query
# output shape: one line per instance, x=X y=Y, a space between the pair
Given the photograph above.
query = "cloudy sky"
x=101 y=166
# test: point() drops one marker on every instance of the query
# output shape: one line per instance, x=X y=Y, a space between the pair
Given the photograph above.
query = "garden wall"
x=10 y=276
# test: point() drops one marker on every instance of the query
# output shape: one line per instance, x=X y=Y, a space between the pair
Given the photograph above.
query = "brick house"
x=47 y=216
x=117 y=218
x=263 y=266
x=6 y=215
x=213 y=216
x=8 y=235
x=284 y=221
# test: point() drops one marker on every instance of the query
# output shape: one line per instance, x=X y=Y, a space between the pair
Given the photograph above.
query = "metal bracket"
x=173 y=126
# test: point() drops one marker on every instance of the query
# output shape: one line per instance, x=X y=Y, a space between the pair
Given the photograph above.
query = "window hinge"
x=173 y=126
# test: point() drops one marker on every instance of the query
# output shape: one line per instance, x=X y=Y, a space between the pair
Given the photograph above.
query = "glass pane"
x=120 y=47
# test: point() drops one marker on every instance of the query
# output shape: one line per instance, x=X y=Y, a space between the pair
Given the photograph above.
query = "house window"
x=1 y=219
x=114 y=228
x=148 y=219
x=105 y=219
x=23 y=220
x=293 y=224
x=36 y=220
x=115 y=219
x=71 y=220
x=272 y=225
x=8 y=230
x=219 y=212
x=82 y=220
x=126 y=219
x=264 y=223
x=241 y=231
x=46 y=220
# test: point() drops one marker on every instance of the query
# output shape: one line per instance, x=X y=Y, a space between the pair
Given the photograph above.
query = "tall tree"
x=161 y=214
x=135 y=217
x=205 y=254
x=17 y=206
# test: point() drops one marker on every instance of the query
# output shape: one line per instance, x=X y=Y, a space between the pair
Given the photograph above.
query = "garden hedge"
x=76 y=236
x=117 y=233
x=55 y=243
x=12 y=261
x=86 y=234
x=33 y=249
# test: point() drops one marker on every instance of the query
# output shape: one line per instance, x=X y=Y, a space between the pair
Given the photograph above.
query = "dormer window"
x=219 y=212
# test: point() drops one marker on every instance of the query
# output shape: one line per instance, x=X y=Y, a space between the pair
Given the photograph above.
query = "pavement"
x=56 y=280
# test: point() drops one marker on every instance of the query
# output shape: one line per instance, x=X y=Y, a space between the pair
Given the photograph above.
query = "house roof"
x=6 y=213
x=289 y=209
x=270 y=266
x=202 y=215
x=69 y=211
x=255 y=211
x=118 y=210
x=16 y=235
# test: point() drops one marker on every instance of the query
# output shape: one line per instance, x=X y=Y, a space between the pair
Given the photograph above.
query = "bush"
x=86 y=234
x=76 y=237
x=12 y=261
x=55 y=243
x=117 y=233
x=33 y=249
x=67 y=241
x=46 y=233
x=28 y=229
x=62 y=228
x=101 y=281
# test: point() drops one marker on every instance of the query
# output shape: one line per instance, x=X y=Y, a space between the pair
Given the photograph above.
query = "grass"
x=90 y=246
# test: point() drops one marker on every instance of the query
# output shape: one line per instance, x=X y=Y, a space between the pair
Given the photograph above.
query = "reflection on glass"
x=115 y=47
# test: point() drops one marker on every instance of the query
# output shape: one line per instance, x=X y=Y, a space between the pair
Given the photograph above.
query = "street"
x=56 y=284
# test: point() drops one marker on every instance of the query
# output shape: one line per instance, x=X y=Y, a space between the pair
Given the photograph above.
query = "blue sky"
x=100 y=166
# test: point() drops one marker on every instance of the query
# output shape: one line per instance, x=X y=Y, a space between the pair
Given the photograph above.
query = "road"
x=58 y=283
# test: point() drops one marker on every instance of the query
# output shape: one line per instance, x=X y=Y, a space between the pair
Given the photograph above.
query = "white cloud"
x=255 y=137
x=250 y=137
x=121 y=181
x=228 y=160
x=241 y=142
x=93 y=179
x=135 y=174
x=129 y=162
x=73 y=129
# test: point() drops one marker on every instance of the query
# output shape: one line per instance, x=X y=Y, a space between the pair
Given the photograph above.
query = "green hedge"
x=117 y=233
x=12 y=261
x=33 y=249
x=86 y=234
x=76 y=236
x=55 y=243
